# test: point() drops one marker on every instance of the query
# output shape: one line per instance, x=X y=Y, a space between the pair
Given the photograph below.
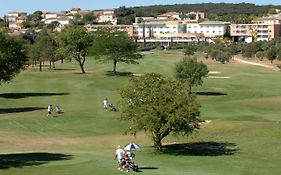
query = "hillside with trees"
x=242 y=12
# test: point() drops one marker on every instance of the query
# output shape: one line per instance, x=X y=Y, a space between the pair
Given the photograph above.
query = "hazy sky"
x=58 y=5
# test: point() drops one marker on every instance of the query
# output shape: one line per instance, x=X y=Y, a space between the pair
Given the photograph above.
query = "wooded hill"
x=242 y=12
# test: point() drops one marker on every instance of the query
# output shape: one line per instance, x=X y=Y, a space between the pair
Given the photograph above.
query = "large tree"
x=76 y=41
x=115 y=46
x=191 y=71
x=44 y=49
x=12 y=58
x=159 y=106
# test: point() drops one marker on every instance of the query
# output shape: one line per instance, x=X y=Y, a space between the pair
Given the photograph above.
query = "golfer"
x=105 y=104
x=49 y=110
x=119 y=155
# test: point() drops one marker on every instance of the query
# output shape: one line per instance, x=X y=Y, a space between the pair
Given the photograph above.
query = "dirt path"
x=256 y=64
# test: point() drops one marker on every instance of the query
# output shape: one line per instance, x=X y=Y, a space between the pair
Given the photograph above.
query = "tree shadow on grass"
x=29 y=159
x=25 y=95
x=121 y=74
x=201 y=149
x=63 y=69
x=210 y=93
x=17 y=110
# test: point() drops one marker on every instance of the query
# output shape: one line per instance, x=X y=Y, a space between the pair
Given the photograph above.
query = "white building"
x=103 y=16
x=61 y=17
x=209 y=28
x=15 y=19
x=153 y=29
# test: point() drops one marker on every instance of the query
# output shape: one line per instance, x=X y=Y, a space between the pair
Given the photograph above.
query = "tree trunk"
x=40 y=65
x=189 y=89
x=50 y=65
x=114 y=66
x=61 y=61
x=82 y=68
x=157 y=142
x=81 y=62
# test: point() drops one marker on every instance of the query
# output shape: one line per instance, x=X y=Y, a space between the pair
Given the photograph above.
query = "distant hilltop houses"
x=169 y=27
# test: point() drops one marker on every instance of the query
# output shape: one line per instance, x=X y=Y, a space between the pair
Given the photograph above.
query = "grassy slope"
x=248 y=117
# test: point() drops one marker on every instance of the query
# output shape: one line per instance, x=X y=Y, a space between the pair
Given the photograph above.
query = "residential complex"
x=168 y=27
x=262 y=29
x=15 y=19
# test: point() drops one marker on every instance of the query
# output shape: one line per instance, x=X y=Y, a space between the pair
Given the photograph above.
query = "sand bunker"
x=205 y=122
x=138 y=75
x=214 y=72
x=216 y=77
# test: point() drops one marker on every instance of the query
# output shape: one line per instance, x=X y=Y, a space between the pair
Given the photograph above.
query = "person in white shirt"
x=50 y=109
x=58 y=109
x=119 y=154
x=105 y=104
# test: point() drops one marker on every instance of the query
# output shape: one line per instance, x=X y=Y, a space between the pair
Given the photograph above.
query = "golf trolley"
x=130 y=165
x=112 y=107
x=133 y=166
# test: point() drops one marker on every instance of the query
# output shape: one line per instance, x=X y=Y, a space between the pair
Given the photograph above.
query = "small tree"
x=260 y=55
x=159 y=106
x=191 y=71
x=190 y=49
x=76 y=41
x=223 y=56
x=271 y=54
x=115 y=46
x=12 y=58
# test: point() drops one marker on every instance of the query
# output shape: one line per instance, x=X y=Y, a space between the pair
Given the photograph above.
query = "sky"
x=30 y=6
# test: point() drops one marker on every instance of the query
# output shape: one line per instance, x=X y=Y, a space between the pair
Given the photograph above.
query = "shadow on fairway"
x=25 y=95
x=148 y=168
x=201 y=149
x=210 y=93
x=121 y=74
x=60 y=69
x=29 y=159
x=16 y=110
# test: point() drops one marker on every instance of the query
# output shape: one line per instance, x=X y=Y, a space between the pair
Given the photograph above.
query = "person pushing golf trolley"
x=126 y=162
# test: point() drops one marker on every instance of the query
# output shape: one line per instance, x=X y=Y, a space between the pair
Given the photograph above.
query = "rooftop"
x=213 y=22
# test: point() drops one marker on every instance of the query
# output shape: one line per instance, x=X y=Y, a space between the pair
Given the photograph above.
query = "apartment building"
x=262 y=29
x=103 y=16
x=153 y=29
x=124 y=28
x=210 y=29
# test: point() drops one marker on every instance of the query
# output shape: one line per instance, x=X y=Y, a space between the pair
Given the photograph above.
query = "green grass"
x=244 y=136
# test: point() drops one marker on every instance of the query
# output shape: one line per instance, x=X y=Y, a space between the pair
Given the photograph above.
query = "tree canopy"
x=115 y=46
x=77 y=42
x=12 y=58
x=159 y=106
x=191 y=71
